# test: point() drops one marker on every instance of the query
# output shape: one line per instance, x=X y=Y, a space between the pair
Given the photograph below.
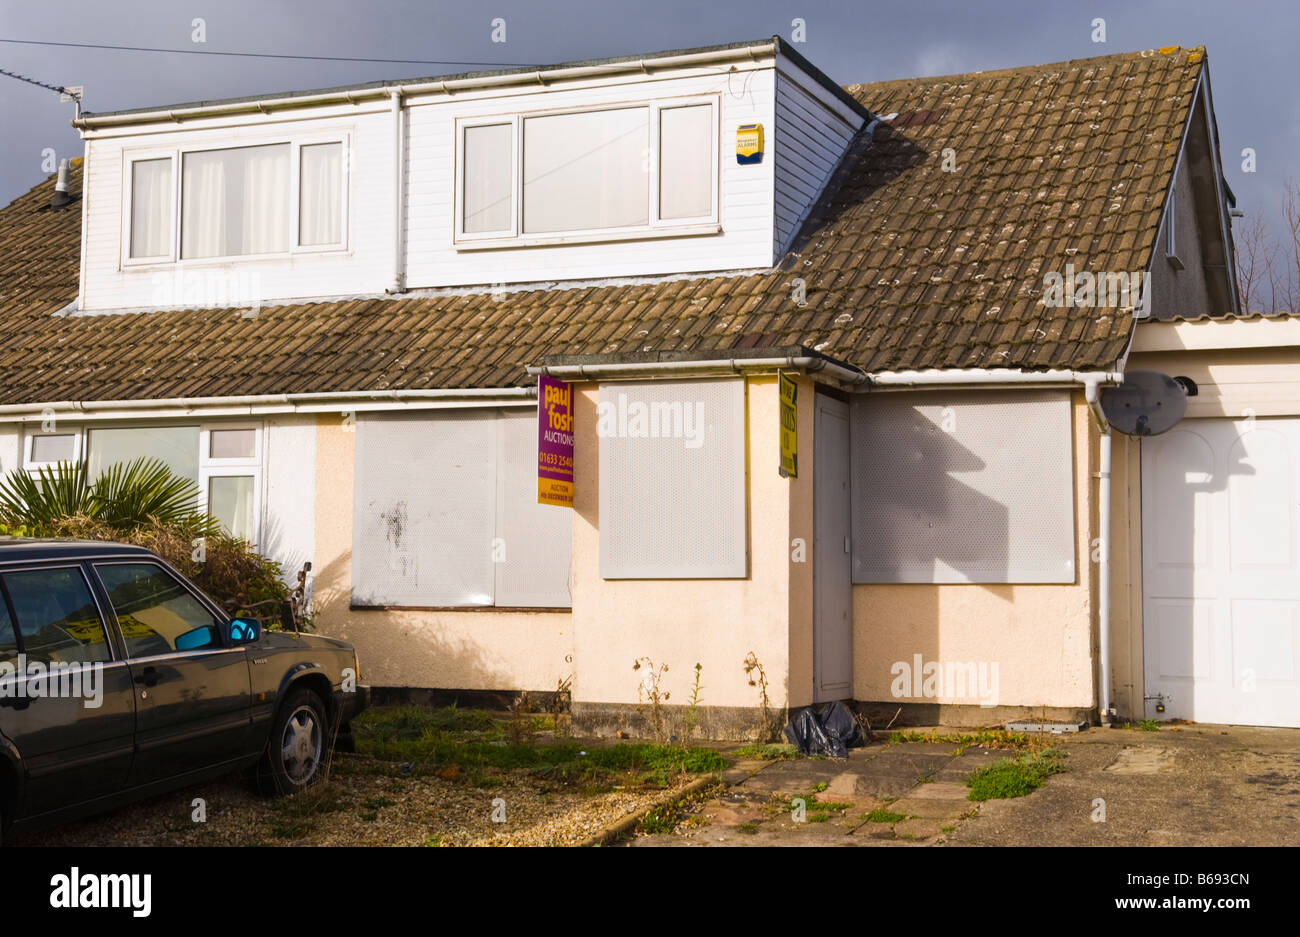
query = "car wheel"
x=295 y=753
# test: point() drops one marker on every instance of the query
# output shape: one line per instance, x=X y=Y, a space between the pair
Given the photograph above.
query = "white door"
x=832 y=560
x=1221 y=571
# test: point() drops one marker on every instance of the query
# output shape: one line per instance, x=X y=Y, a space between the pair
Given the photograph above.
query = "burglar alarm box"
x=749 y=143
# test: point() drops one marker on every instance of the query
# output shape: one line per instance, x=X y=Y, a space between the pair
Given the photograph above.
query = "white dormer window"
x=646 y=170
x=273 y=198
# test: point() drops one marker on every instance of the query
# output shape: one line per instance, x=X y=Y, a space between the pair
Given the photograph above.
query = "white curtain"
x=587 y=170
x=486 y=159
x=686 y=161
x=320 y=212
x=235 y=201
x=230 y=500
x=151 y=199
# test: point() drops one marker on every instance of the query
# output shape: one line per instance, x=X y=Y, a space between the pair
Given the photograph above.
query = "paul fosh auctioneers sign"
x=554 y=442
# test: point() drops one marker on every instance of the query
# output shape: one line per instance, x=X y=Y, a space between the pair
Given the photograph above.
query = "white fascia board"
x=363 y=401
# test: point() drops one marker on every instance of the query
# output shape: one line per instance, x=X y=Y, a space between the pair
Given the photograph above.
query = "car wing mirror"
x=196 y=638
x=245 y=630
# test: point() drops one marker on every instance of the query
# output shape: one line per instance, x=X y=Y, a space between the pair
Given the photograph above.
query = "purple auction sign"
x=554 y=442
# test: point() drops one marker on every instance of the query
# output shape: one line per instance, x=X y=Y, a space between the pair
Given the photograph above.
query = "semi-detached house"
x=331 y=310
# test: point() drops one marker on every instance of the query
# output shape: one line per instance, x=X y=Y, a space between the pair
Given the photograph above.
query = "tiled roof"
x=906 y=265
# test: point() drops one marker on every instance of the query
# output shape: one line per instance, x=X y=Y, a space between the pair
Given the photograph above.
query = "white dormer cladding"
x=622 y=173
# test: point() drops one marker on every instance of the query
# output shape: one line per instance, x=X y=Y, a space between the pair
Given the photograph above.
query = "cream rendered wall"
x=715 y=622
x=1041 y=636
x=482 y=650
x=1243 y=368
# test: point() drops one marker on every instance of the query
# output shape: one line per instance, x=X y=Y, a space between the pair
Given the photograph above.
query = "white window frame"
x=129 y=159
x=78 y=448
x=655 y=228
x=177 y=155
x=210 y=468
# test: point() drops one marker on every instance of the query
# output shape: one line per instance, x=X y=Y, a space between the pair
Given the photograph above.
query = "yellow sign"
x=749 y=143
x=789 y=426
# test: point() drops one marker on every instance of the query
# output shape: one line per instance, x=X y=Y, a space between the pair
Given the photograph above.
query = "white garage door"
x=1221 y=571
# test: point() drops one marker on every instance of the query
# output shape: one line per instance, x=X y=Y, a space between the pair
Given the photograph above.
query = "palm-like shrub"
x=127 y=496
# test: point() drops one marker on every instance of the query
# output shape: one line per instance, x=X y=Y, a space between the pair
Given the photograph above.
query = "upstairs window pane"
x=486 y=197
x=320 y=184
x=686 y=161
x=235 y=201
x=586 y=171
x=151 y=207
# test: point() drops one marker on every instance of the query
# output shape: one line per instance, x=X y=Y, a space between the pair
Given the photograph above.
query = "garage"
x=1221 y=571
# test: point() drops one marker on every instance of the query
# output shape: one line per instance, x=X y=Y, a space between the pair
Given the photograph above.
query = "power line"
x=261 y=55
x=40 y=84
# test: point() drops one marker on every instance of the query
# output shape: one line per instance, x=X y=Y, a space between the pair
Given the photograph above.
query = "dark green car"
x=120 y=680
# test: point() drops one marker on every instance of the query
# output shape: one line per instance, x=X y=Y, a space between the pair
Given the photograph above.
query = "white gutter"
x=703 y=368
x=399 y=168
x=346 y=401
x=448 y=86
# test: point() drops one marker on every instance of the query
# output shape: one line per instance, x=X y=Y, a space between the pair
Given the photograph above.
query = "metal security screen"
x=446 y=513
x=672 y=480
x=962 y=486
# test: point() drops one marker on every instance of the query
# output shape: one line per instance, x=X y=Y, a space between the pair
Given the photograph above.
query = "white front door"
x=832 y=561
x=1221 y=571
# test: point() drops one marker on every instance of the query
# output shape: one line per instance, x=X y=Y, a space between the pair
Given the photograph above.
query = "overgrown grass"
x=471 y=746
x=1014 y=777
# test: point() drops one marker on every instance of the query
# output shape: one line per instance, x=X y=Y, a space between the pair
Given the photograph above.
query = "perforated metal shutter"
x=425 y=509
x=672 y=480
x=536 y=540
x=962 y=486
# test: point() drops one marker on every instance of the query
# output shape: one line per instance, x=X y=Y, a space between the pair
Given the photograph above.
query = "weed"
x=768 y=751
x=819 y=787
x=560 y=708
x=881 y=815
x=946 y=829
x=984 y=738
x=758 y=678
x=1149 y=725
x=747 y=827
x=520 y=727
x=648 y=690
x=1013 y=777
x=691 y=719
x=432 y=841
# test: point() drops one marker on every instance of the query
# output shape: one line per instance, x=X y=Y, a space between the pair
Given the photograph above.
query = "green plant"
x=521 y=723
x=767 y=751
x=1149 y=725
x=881 y=815
x=1014 y=777
x=124 y=497
x=691 y=719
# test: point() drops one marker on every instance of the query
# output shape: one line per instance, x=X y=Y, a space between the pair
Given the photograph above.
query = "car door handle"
x=149 y=676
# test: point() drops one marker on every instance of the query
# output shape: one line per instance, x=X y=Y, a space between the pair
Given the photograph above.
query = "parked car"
x=119 y=680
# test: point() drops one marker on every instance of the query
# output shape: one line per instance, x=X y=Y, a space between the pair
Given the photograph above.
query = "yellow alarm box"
x=749 y=143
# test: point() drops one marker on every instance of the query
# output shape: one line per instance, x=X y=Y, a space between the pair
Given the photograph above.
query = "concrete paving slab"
x=931 y=808
x=940 y=790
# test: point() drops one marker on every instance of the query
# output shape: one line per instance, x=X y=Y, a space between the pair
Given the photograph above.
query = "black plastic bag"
x=830 y=732
x=841 y=724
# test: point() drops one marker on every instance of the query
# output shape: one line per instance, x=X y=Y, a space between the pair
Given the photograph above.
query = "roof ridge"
x=1064 y=65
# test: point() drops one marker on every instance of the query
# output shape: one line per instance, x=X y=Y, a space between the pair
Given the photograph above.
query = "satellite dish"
x=1148 y=403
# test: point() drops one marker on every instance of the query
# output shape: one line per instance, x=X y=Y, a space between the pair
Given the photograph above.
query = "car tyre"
x=295 y=753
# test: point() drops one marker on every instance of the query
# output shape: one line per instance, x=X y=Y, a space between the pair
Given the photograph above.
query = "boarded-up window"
x=672 y=480
x=962 y=487
x=446 y=513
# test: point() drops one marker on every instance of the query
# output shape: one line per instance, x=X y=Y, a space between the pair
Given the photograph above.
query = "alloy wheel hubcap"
x=300 y=746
